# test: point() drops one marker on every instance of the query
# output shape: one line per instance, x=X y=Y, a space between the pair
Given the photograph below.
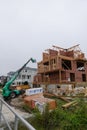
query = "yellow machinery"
x=20 y=87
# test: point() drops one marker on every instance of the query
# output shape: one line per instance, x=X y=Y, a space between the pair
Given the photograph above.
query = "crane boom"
x=6 y=88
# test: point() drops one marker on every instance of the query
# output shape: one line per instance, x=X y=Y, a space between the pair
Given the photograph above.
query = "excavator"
x=9 y=93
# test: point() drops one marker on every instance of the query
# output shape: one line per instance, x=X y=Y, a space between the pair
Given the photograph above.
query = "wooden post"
x=60 y=76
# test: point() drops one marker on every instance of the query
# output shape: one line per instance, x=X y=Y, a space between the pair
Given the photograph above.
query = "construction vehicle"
x=8 y=93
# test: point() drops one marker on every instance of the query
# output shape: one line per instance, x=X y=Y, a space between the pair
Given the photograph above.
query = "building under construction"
x=62 y=66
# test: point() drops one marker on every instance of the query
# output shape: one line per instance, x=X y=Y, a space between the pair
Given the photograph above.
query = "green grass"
x=74 y=118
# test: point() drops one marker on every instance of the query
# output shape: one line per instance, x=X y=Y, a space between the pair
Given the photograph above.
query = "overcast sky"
x=28 y=27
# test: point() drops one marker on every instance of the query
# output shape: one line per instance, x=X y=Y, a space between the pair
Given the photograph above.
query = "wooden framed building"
x=62 y=66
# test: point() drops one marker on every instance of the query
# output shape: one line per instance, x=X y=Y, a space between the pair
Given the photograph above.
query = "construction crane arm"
x=8 y=84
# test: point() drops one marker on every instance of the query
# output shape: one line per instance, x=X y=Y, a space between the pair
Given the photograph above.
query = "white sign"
x=33 y=91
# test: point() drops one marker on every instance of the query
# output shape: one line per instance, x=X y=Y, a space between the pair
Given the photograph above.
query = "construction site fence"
x=16 y=116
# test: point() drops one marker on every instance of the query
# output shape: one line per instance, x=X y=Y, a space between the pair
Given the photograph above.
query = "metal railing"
x=17 y=118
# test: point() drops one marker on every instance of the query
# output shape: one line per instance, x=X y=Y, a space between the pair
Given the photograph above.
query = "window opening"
x=84 y=77
x=72 y=77
x=80 y=66
x=66 y=64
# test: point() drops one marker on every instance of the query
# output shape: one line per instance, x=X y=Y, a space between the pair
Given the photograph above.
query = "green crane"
x=8 y=93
